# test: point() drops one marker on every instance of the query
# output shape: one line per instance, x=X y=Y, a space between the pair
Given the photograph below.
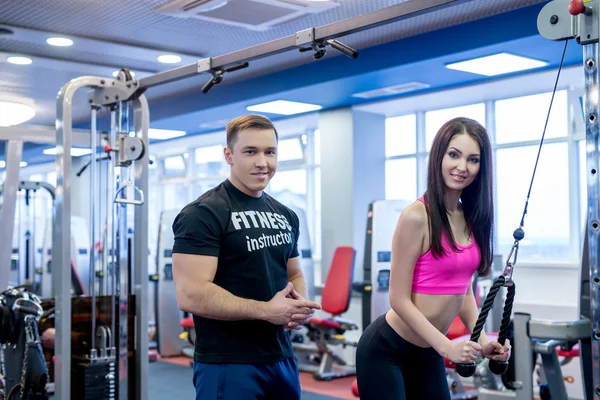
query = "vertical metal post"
x=61 y=241
x=61 y=245
x=591 y=98
x=14 y=149
x=524 y=363
x=92 y=224
x=141 y=118
x=112 y=223
x=122 y=270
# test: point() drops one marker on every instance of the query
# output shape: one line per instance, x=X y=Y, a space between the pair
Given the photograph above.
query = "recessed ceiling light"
x=19 y=60
x=23 y=164
x=75 y=151
x=116 y=73
x=169 y=59
x=12 y=113
x=163 y=134
x=284 y=107
x=497 y=64
x=60 y=42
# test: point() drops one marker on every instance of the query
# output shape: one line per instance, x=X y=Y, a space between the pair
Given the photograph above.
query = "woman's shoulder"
x=415 y=215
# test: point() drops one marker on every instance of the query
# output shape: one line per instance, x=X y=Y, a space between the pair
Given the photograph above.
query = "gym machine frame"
x=583 y=24
x=105 y=92
x=123 y=89
x=15 y=137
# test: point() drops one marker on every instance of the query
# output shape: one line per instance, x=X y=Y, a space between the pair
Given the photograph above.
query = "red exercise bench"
x=328 y=332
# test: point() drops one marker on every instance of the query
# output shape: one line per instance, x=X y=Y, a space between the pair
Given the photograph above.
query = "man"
x=236 y=269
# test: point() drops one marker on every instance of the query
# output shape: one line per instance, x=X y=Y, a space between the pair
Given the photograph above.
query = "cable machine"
x=112 y=360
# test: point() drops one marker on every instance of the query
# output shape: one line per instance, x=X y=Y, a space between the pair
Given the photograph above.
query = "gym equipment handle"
x=236 y=67
x=350 y=52
x=497 y=367
x=129 y=201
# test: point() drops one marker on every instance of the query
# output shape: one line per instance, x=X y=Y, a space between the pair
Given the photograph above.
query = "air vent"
x=257 y=15
x=214 y=124
x=392 y=90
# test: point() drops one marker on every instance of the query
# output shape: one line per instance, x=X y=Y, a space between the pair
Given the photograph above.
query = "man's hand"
x=297 y=321
x=494 y=350
x=288 y=307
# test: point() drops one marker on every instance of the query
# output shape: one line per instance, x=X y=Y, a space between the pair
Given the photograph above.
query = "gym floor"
x=172 y=379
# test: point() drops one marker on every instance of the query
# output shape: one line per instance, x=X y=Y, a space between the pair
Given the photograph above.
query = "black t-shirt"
x=253 y=239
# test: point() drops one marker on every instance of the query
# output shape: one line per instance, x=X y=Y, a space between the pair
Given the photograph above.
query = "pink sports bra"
x=450 y=274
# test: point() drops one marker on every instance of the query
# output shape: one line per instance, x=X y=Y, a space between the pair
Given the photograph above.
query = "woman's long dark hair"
x=477 y=198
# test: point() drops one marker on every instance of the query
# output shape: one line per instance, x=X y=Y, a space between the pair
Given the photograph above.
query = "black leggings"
x=389 y=367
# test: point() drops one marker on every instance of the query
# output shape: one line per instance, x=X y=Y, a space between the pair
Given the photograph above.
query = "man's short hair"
x=251 y=121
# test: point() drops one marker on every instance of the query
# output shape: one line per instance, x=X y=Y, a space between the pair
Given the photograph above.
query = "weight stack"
x=94 y=380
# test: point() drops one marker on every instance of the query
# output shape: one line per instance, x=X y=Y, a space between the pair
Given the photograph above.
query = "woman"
x=440 y=241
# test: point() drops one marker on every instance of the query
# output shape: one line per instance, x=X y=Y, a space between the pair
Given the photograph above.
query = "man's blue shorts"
x=276 y=381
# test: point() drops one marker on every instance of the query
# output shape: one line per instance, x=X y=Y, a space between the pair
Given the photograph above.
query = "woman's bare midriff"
x=440 y=311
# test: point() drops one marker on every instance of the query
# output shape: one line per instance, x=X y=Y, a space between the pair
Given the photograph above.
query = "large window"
x=400 y=135
x=297 y=184
x=209 y=161
x=289 y=187
x=290 y=150
x=547 y=221
x=401 y=157
x=174 y=166
x=175 y=195
x=523 y=118
x=401 y=179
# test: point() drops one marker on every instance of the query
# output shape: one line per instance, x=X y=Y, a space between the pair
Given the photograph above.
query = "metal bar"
x=565 y=330
x=523 y=365
x=42 y=134
x=337 y=29
x=573 y=114
x=92 y=222
x=113 y=220
x=61 y=243
x=31 y=185
x=554 y=375
x=123 y=268
x=141 y=119
x=10 y=188
x=171 y=75
x=592 y=112
x=122 y=296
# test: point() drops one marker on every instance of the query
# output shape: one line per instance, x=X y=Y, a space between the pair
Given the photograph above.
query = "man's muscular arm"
x=197 y=294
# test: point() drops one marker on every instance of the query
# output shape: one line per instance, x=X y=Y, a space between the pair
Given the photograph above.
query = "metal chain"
x=32 y=338
x=26 y=354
